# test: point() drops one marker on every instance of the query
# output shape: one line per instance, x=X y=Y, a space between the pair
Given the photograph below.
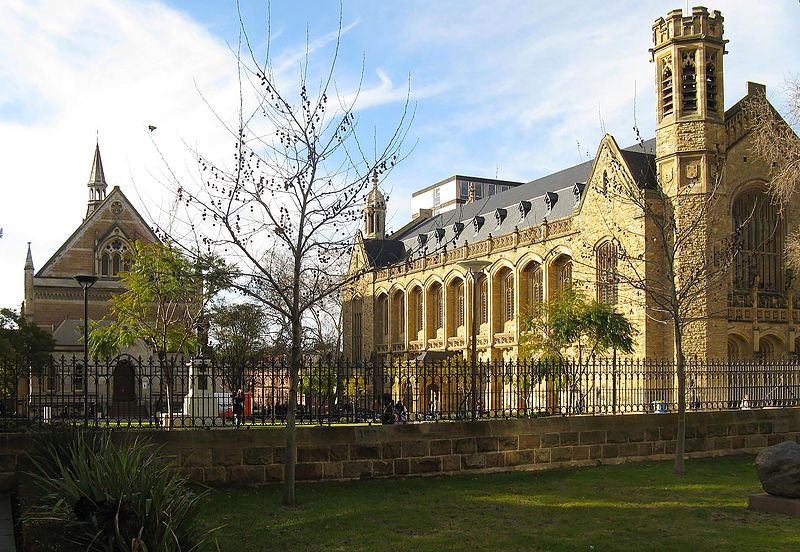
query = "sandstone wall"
x=255 y=456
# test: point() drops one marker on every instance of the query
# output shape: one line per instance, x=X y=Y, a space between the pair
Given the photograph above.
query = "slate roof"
x=554 y=196
x=70 y=332
x=382 y=253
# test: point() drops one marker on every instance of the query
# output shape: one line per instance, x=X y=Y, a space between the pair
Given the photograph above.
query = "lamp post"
x=86 y=281
x=475 y=267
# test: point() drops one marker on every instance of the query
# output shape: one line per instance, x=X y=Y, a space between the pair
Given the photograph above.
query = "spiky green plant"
x=118 y=497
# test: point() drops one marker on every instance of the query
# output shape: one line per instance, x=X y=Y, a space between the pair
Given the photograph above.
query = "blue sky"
x=513 y=89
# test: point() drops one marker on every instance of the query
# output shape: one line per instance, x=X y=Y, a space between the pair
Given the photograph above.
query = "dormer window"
x=477 y=222
x=422 y=239
x=550 y=199
x=577 y=191
x=457 y=228
x=439 y=232
x=524 y=209
x=500 y=216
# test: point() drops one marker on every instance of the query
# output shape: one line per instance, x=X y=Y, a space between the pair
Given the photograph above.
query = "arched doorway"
x=124 y=382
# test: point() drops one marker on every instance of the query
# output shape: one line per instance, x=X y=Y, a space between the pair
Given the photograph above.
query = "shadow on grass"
x=609 y=508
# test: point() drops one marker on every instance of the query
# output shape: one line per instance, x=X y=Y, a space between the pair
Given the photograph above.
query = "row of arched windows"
x=450 y=307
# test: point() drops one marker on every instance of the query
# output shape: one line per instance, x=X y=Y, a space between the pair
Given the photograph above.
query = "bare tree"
x=285 y=210
x=674 y=250
x=773 y=138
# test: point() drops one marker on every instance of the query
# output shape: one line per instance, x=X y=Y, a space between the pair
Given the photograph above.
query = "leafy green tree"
x=240 y=334
x=20 y=339
x=23 y=347
x=564 y=335
x=163 y=306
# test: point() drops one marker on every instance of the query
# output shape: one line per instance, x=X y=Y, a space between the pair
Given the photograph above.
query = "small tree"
x=22 y=340
x=240 y=334
x=163 y=305
x=564 y=335
x=24 y=347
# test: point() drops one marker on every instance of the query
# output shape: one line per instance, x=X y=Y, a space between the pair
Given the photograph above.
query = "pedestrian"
x=238 y=408
x=400 y=413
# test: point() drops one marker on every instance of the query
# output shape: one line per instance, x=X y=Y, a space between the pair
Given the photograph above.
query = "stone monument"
x=200 y=406
x=778 y=469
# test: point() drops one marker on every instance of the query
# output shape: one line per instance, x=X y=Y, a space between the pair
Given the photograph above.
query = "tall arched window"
x=398 y=317
x=689 y=81
x=508 y=289
x=534 y=281
x=382 y=318
x=438 y=315
x=758 y=251
x=357 y=318
x=561 y=273
x=606 y=264
x=711 y=82
x=666 y=87
x=483 y=288
x=460 y=303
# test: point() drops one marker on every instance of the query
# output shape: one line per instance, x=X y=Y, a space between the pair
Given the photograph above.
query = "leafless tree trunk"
x=691 y=250
x=285 y=211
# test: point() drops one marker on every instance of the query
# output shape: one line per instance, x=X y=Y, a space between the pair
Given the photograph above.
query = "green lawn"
x=631 y=507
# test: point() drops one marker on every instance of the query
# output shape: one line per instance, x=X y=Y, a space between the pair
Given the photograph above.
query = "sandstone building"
x=54 y=299
x=562 y=230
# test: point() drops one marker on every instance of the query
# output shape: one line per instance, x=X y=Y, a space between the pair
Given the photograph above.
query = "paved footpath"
x=6 y=524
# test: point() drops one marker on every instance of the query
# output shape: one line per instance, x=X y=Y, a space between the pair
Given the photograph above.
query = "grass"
x=629 y=507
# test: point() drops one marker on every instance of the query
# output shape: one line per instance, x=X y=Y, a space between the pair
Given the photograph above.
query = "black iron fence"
x=202 y=393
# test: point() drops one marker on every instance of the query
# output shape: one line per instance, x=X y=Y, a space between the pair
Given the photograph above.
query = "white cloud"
x=507 y=87
x=71 y=68
x=528 y=82
x=77 y=67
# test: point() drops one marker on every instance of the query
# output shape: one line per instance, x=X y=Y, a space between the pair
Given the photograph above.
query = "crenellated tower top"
x=700 y=24
x=687 y=52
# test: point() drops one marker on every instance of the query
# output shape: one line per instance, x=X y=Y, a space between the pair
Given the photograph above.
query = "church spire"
x=28 y=303
x=97 y=182
x=29 y=259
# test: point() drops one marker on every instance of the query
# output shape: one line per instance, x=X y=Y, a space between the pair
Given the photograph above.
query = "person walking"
x=238 y=408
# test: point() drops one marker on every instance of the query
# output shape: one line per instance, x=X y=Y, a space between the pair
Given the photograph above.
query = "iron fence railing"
x=204 y=393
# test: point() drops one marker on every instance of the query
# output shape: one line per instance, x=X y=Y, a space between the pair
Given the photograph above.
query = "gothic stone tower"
x=690 y=144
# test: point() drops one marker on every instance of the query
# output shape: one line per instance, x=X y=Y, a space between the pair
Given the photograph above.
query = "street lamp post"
x=86 y=281
x=475 y=267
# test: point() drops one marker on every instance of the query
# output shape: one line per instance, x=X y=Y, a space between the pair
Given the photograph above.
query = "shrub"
x=118 y=497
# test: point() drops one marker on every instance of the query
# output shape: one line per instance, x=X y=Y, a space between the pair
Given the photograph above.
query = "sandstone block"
x=258 y=456
x=430 y=464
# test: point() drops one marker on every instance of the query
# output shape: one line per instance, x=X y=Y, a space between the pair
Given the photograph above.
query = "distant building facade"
x=456 y=190
x=53 y=299
x=555 y=232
